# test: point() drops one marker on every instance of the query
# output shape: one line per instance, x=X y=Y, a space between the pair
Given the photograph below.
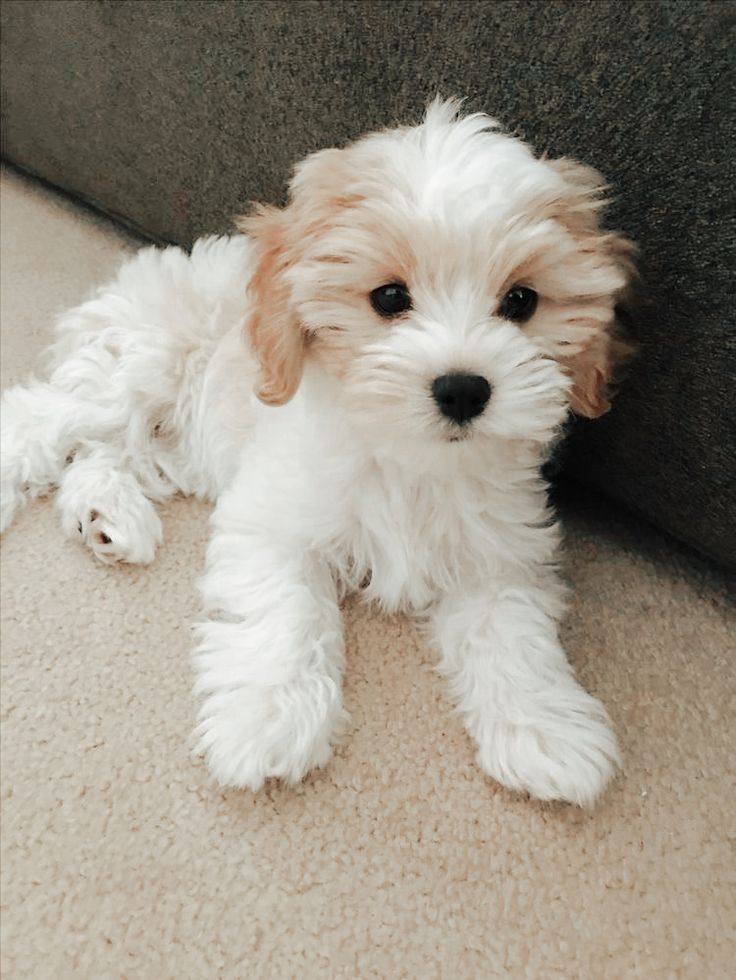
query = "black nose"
x=461 y=396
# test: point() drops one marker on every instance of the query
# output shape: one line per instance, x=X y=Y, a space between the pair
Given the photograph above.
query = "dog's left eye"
x=519 y=304
x=391 y=300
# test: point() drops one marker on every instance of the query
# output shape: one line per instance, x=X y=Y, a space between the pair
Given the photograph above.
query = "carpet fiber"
x=120 y=858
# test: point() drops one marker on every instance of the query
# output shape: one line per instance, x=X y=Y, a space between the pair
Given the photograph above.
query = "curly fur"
x=254 y=372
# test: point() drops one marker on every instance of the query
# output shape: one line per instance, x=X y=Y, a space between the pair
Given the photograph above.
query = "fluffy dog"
x=367 y=383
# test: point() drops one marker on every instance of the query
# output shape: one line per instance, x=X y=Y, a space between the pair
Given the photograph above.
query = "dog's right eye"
x=519 y=304
x=391 y=300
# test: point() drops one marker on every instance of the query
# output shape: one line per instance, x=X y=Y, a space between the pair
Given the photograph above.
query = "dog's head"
x=454 y=284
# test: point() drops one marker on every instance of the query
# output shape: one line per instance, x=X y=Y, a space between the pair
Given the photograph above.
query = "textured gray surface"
x=174 y=115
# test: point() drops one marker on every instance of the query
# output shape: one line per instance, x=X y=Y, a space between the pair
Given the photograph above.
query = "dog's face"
x=455 y=285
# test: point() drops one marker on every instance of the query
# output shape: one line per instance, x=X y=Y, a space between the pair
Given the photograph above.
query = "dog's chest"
x=408 y=540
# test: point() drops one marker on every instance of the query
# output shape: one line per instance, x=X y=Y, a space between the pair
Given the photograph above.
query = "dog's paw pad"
x=98 y=540
x=108 y=510
x=124 y=535
x=100 y=536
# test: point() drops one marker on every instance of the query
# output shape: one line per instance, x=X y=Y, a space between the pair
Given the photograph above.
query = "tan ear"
x=589 y=393
x=273 y=330
x=596 y=367
x=594 y=372
x=600 y=364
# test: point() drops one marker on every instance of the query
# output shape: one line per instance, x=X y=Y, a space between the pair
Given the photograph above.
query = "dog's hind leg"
x=40 y=426
x=102 y=502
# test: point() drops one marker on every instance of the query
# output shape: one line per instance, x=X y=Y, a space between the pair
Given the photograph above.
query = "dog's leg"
x=269 y=660
x=537 y=730
x=103 y=503
x=39 y=426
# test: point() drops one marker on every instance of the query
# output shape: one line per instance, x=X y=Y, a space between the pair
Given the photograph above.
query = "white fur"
x=354 y=483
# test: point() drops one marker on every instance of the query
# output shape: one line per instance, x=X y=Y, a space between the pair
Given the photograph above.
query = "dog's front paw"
x=564 y=750
x=256 y=732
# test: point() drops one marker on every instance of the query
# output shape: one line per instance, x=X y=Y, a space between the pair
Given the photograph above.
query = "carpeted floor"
x=120 y=858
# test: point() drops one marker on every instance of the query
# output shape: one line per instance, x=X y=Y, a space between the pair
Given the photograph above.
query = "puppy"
x=366 y=383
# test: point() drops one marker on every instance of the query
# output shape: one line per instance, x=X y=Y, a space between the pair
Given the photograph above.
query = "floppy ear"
x=595 y=370
x=274 y=333
x=596 y=366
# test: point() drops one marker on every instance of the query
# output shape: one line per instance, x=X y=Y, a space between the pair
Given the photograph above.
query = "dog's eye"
x=391 y=300
x=519 y=304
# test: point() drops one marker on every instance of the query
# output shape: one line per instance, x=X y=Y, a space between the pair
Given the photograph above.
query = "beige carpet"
x=121 y=859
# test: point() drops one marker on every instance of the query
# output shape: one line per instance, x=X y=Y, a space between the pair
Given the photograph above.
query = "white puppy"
x=367 y=383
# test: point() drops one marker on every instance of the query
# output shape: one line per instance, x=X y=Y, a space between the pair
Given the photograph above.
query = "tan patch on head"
x=586 y=340
x=319 y=259
x=274 y=333
x=283 y=239
x=597 y=366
